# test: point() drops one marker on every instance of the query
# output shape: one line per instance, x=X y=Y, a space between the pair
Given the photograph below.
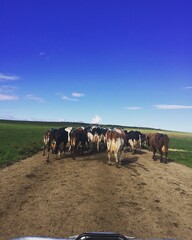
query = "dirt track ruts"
x=142 y=198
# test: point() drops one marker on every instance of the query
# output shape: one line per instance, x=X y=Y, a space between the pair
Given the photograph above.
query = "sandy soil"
x=142 y=198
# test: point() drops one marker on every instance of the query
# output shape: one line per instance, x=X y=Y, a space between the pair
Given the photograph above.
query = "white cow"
x=115 y=144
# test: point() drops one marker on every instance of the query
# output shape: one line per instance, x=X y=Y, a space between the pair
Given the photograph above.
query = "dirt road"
x=142 y=198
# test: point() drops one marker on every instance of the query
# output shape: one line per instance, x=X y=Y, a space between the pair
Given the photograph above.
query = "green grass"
x=18 y=141
x=21 y=139
x=181 y=149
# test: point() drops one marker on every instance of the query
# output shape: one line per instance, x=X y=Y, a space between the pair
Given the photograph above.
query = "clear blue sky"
x=126 y=62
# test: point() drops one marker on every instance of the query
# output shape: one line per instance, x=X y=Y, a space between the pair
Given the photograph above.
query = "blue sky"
x=126 y=62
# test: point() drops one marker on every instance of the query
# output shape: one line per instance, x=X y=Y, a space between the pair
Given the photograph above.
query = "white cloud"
x=96 y=119
x=74 y=97
x=35 y=98
x=6 y=97
x=69 y=99
x=75 y=94
x=6 y=93
x=133 y=108
x=171 y=107
x=7 y=77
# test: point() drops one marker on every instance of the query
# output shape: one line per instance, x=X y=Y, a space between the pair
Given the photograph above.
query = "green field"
x=21 y=139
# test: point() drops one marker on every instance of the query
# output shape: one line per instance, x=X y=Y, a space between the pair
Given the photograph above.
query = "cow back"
x=115 y=133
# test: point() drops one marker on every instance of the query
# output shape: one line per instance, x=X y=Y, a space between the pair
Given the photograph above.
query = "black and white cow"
x=133 y=140
x=78 y=140
x=61 y=142
x=97 y=138
x=58 y=137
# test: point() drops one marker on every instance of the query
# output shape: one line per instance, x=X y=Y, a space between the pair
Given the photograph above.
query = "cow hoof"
x=118 y=165
x=47 y=160
x=110 y=164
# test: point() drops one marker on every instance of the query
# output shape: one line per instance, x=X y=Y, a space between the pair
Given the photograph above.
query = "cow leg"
x=116 y=157
x=83 y=148
x=120 y=156
x=57 y=152
x=44 y=150
x=133 y=151
x=161 y=159
x=161 y=155
x=90 y=146
x=86 y=147
x=165 y=152
x=165 y=161
x=43 y=153
x=73 y=147
x=53 y=146
x=65 y=148
x=47 y=159
x=109 y=158
x=154 y=152
x=48 y=152
x=69 y=148
x=98 y=145
x=84 y=144
x=58 y=155
x=72 y=152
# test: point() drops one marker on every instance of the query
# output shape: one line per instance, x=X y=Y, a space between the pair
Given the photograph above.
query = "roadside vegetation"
x=22 y=139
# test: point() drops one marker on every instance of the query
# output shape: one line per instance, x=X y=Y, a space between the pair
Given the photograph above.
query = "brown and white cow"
x=52 y=136
x=116 y=139
x=158 y=142
x=47 y=143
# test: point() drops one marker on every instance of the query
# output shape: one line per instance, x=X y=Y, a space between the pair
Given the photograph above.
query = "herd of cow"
x=96 y=138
